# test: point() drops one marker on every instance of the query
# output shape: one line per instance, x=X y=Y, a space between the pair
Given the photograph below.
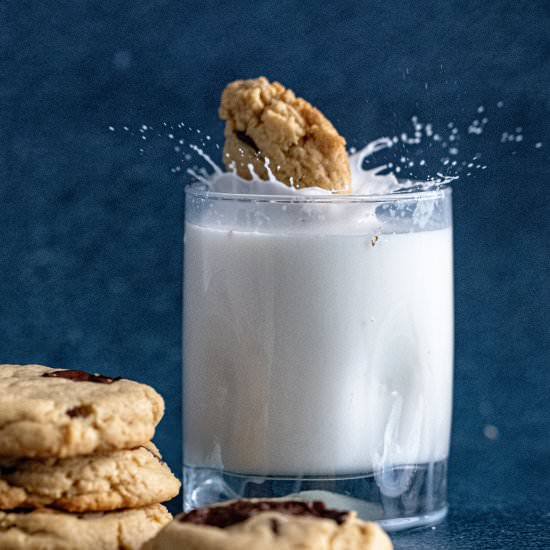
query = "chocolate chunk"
x=245 y=138
x=82 y=411
x=239 y=511
x=80 y=376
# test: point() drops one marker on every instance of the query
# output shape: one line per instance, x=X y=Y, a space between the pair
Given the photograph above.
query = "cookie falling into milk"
x=268 y=128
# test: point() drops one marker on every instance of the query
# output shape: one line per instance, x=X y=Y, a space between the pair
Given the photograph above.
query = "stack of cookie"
x=77 y=467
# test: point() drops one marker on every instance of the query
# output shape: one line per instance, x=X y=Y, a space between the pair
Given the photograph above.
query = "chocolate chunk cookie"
x=93 y=483
x=264 y=120
x=270 y=525
x=50 y=530
x=48 y=412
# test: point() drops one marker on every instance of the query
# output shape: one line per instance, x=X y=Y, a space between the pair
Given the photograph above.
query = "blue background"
x=91 y=227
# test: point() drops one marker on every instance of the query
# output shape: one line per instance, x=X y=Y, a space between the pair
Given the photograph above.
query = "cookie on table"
x=269 y=525
x=48 y=412
x=121 y=479
x=51 y=530
x=264 y=120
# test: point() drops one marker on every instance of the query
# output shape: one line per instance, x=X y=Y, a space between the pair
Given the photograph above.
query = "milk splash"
x=374 y=181
x=405 y=170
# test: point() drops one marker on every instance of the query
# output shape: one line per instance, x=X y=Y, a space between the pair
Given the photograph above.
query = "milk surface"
x=324 y=350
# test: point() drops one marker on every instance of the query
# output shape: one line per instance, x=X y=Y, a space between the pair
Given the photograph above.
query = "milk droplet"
x=490 y=431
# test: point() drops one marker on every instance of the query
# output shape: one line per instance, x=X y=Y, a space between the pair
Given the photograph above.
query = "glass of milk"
x=318 y=350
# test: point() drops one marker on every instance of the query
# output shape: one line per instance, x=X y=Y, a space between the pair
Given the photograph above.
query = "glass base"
x=401 y=497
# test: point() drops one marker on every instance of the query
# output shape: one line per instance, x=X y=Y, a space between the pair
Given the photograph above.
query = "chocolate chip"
x=245 y=138
x=237 y=512
x=82 y=411
x=18 y=511
x=7 y=470
x=154 y=454
x=80 y=376
x=275 y=526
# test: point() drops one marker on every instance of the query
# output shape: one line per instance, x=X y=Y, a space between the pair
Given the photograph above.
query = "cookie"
x=121 y=479
x=270 y=525
x=50 y=530
x=48 y=412
x=264 y=120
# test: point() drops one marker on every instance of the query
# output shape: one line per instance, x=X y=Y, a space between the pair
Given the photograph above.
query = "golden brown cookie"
x=269 y=525
x=48 y=412
x=90 y=483
x=264 y=120
x=50 y=530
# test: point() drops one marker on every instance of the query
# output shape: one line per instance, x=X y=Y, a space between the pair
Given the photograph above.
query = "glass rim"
x=441 y=190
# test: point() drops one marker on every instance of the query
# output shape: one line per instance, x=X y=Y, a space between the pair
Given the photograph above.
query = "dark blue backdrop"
x=91 y=228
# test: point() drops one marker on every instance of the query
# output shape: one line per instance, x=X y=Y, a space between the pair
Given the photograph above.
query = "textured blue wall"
x=90 y=247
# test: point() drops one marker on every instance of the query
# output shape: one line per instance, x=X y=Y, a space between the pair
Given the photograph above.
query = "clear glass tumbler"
x=318 y=351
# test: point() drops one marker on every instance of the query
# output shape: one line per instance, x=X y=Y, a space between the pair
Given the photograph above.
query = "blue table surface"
x=91 y=247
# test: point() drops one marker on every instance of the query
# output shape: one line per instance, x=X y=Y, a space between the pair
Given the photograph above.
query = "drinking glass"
x=318 y=350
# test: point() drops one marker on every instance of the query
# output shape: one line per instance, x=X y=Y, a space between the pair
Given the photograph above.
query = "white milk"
x=325 y=351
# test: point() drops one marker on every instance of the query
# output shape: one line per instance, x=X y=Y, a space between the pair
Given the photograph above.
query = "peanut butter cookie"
x=265 y=122
x=50 y=530
x=92 y=483
x=270 y=525
x=49 y=413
